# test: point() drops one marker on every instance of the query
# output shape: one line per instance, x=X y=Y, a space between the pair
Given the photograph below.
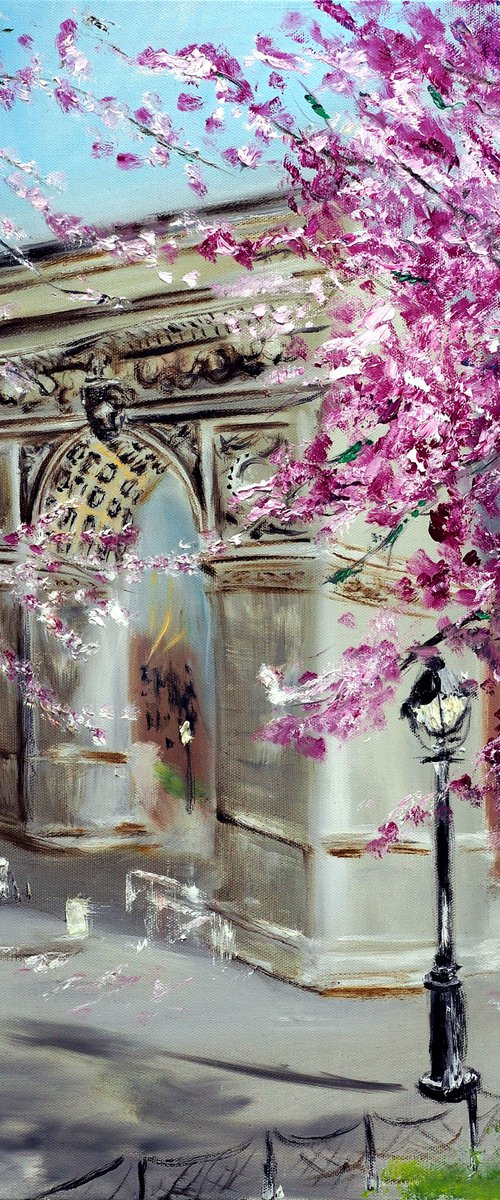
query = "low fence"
x=345 y=1163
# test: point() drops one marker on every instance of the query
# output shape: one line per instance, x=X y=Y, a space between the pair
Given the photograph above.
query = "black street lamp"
x=438 y=710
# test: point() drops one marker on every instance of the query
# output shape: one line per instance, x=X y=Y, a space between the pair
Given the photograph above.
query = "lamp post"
x=438 y=710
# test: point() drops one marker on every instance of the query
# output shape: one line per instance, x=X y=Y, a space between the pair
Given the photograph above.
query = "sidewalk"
x=115 y=1048
x=25 y=932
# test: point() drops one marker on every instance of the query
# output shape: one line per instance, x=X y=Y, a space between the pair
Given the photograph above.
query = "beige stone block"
x=264 y=879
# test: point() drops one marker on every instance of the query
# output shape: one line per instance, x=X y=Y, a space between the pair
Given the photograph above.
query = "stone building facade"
x=154 y=409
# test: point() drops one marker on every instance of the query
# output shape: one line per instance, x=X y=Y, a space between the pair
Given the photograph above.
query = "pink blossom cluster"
x=35 y=536
x=346 y=701
x=413 y=810
x=48 y=616
x=45 y=698
x=21 y=84
x=71 y=58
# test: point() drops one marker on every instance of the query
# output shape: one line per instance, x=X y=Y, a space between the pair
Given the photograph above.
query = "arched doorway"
x=149 y=682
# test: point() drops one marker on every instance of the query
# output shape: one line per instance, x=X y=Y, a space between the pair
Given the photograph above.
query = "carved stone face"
x=106 y=421
x=105 y=409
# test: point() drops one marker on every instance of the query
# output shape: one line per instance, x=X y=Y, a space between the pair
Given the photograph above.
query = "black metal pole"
x=443 y=840
x=189 y=780
x=268 y=1191
x=448 y=1078
x=372 y=1179
x=473 y=1129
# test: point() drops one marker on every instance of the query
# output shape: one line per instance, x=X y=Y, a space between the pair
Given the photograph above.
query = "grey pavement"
x=112 y=1048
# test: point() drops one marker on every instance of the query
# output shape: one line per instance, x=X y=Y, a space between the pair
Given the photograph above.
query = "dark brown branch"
x=438 y=638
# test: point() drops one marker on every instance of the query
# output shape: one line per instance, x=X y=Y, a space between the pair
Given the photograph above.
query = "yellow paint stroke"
x=173 y=641
x=82 y=510
x=106 y=453
x=86 y=510
x=148 y=489
x=165 y=628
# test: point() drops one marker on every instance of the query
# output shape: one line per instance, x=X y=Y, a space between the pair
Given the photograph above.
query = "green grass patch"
x=454 y=1181
x=173 y=783
x=170 y=779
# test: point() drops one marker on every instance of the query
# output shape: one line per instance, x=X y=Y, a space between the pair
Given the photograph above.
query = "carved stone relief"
x=196 y=353
x=100 y=484
x=181 y=438
x=105 y=404
x=242 y=457
x=183 y=369
x=32 y=459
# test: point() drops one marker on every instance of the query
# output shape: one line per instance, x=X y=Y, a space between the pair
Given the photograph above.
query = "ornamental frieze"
x=243 y=458
x=198 y=354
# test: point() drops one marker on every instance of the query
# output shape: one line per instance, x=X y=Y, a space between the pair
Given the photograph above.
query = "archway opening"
x=149 y=681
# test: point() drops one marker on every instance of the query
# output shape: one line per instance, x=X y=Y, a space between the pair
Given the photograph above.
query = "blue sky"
x=94 y=188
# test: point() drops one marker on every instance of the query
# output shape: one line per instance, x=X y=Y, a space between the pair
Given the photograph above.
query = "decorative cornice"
x=166 y=344
x=269 y=572
x=298 y=565
x=202 y=354
x=355 y=844
x=374 y=586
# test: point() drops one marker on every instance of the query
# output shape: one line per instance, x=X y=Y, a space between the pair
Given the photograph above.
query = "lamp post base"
x=462 y=1089
x=466 y=1089
x=447 y=1080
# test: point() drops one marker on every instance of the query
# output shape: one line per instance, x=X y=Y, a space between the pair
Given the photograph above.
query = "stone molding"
x=157 y=341
x=354 y=845
x=288 y=571
x=368 y=967
x=194 y=355
x=297 y=565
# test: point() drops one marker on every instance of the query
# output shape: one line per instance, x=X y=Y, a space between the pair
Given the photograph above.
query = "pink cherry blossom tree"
x=389 y=173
